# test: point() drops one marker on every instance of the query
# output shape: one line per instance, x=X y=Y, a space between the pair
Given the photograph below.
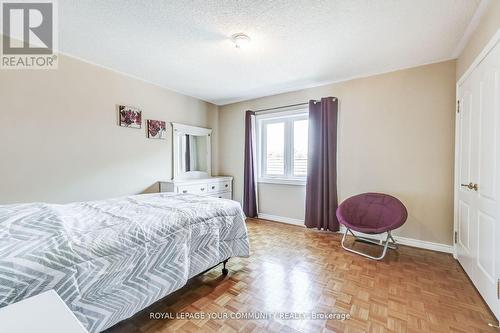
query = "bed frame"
x=224 y=269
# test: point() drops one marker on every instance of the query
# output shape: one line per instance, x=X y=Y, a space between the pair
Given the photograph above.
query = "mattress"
x=110 y=259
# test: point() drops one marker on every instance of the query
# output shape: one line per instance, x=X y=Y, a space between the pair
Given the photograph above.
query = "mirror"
x=191 y=151
x=194 y=152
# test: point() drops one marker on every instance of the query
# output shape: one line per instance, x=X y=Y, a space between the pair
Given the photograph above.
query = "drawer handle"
x=203 y=189
x=213 y=187
x=220 y=197
x=185 y=191
x=226 y=185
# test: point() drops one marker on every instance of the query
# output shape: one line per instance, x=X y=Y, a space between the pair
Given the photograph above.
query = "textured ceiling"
x=185 y=45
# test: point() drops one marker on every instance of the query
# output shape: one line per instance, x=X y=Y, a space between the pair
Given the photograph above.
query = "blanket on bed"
x=110 y=259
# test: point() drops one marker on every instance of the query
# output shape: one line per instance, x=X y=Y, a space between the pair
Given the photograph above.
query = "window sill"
x=282 y=181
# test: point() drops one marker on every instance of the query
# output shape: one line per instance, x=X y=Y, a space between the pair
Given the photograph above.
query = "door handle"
x=471 y=186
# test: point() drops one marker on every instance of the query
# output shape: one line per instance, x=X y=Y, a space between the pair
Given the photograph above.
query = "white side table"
x=43 y=313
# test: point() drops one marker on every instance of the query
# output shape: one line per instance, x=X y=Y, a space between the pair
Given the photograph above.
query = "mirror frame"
x=178 y=130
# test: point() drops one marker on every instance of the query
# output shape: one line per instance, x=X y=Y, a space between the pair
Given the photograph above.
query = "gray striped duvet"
x=110 y=259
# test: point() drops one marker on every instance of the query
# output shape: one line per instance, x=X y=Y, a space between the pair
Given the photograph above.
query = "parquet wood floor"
x=292 y=269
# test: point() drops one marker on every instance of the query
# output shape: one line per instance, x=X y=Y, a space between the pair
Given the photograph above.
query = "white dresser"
x=219 y=187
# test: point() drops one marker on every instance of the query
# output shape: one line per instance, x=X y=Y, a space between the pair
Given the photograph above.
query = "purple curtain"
x=249 y=193
x=321 y=188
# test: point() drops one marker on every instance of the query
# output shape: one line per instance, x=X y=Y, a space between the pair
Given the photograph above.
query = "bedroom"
x=206 y=166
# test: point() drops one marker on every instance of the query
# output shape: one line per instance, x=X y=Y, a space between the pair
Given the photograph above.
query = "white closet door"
x=478 y=208
x=465 y=203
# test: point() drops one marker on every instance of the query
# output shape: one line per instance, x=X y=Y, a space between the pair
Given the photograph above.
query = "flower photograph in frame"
x=157 y=129
x=129 y=116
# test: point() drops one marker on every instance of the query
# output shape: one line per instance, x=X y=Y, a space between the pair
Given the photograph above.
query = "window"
x=282 y=147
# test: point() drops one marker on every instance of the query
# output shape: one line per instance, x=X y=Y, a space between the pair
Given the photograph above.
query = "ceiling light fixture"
x=240 y=40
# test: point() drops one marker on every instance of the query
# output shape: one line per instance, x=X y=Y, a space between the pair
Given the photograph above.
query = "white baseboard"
x=408 y=241
x=282 y=219
x=425 y=244
x=401 y=240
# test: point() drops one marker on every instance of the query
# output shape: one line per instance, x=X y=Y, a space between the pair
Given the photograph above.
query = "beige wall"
x=396 y=135
x=488 y=26
x=60 y=141
x=59 y=138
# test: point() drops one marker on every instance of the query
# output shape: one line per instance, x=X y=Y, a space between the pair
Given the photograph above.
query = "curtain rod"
x=286 y=106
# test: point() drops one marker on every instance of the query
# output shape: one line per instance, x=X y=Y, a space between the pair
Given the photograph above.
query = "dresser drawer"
x=219 y=187
x=193 y=189
x=224 y=195
x=214 y=187
x=203 y=186
x=225 y=186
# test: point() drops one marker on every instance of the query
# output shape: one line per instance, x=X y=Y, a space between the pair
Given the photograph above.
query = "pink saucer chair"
x=372 y=213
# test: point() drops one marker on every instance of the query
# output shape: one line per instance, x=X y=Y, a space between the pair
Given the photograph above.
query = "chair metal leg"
x=394 y=245
x=363 y=239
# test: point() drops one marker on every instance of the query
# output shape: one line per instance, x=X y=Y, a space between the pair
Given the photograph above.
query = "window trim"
x=287 y=117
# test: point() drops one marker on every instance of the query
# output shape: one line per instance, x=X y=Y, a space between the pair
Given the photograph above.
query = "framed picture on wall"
x=157 y=129
x=130 y=116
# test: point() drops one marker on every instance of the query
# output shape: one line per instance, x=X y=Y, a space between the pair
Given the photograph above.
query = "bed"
x=110 y=259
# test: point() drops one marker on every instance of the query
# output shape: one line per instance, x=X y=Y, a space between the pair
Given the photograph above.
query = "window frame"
x=288 y=118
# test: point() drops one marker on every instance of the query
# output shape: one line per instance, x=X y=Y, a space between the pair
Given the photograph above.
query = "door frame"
x=456 y=183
